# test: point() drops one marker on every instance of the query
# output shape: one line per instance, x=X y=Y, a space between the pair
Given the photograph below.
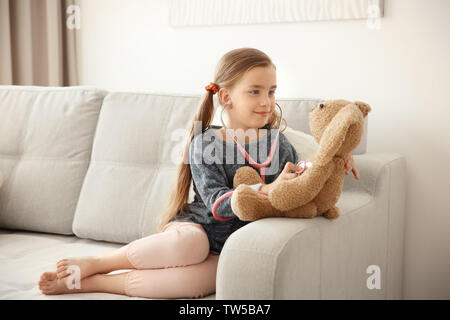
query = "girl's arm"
x=211 y=183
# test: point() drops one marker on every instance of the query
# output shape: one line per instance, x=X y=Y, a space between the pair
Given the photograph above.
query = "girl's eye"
x=257 y=91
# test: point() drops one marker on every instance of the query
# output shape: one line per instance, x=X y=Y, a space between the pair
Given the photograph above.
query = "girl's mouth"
x=262 y=113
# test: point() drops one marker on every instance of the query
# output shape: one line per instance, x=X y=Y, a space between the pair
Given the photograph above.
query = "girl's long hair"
x=231 y=67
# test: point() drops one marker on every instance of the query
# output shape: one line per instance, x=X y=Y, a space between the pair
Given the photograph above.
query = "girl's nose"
x=265 y=103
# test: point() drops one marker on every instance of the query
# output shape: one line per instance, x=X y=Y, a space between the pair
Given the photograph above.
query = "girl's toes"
x=46 y=279
x=45 y=276
x=49 y=276
x=62 y=274
x=61 y=269
x=61 y=263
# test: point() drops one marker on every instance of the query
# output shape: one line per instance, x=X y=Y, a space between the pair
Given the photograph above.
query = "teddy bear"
x=337 y=126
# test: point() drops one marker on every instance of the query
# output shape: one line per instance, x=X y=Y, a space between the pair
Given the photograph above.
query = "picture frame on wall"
x=226 y=12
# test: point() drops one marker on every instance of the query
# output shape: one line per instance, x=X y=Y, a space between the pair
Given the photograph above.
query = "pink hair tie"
x=212 y=87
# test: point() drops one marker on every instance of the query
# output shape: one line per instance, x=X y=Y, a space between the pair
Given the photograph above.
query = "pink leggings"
x=174 y=263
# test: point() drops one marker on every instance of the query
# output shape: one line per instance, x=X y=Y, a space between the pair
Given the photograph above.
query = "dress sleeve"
x=295 y=154
x=288 y=148
x=210 y=181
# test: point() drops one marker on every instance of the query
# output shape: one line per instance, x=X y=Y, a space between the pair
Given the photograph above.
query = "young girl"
x=180 y=260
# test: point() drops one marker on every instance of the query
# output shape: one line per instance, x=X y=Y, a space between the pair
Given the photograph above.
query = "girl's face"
x=252 y=99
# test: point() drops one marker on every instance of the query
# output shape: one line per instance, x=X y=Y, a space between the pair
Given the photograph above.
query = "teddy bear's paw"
x=308 y=210
x=249 y=205
x=246 y=175
x=332 y=213
x=288 y=195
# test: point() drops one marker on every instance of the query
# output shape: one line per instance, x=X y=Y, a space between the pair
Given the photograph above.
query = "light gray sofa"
x=86 y=171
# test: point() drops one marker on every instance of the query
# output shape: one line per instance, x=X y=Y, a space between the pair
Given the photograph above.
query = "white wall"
x=402 y=70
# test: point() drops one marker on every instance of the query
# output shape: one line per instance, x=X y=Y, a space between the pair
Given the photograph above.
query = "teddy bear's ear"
x=335 y=132
x=364 y=107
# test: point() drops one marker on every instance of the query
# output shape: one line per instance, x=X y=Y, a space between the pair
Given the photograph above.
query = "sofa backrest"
x=46 y=139
x=98 y=164
x=132 y=166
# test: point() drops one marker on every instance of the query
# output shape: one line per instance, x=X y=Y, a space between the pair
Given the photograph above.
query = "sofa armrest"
x=285 y=258
x=369 y=166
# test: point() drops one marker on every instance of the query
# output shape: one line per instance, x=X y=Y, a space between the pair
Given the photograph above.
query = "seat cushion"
x=45 y=146
x=24 y=256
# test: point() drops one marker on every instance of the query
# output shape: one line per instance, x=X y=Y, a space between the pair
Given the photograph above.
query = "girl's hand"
x=350 y=166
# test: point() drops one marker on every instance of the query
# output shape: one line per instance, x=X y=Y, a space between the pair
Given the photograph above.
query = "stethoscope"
x=303 y=165
x=261 y=167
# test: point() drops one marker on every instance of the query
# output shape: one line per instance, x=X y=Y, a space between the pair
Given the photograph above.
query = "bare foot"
x=88 y=266
x=49 y=284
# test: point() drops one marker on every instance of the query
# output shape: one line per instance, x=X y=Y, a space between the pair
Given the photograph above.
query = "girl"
x=180 y=260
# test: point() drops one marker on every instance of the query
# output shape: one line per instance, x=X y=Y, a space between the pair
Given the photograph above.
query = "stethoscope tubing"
x=259 y=166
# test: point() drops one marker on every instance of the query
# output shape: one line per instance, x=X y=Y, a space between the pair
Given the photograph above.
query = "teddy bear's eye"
x=321 y=105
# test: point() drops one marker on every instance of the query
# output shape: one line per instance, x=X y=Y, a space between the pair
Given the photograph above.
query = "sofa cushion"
x=45 y=146
x=133 y=165
x=24 y=256
x=304 y=143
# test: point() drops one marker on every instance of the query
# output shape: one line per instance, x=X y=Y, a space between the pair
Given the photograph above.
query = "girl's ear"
x=224 y=97
x=221 y=97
